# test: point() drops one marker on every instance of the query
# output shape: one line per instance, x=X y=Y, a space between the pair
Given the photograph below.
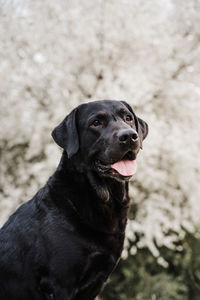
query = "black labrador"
x=65 y=242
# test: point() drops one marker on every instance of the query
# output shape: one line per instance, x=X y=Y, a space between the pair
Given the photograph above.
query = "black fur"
x=65 y=242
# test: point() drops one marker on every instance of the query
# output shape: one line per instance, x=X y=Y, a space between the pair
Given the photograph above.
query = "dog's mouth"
x=124 y=168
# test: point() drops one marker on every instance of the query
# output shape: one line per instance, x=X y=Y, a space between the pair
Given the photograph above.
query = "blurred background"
x=55 y=55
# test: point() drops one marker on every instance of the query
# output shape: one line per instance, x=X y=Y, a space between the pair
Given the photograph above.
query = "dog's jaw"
x=121 y=169
x=108 y=171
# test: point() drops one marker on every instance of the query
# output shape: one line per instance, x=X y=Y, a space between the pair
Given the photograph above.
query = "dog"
x=65 y=242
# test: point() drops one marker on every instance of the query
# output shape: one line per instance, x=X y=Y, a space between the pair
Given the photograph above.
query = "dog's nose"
x=127 y=135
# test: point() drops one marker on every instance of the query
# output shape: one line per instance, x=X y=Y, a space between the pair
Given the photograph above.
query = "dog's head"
x=107 y=136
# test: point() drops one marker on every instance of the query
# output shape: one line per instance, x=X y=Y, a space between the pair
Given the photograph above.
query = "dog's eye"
x=129 y=118
x=96 y=123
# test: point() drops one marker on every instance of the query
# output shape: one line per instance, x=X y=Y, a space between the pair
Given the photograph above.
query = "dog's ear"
x=141 y=126
x=66 y=134
x=143 y=130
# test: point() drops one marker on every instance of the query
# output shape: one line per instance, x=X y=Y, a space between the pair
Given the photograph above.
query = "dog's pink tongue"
x=125 y=167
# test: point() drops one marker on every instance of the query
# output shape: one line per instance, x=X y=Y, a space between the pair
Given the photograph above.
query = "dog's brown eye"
x=129 y=118
x=96 y=123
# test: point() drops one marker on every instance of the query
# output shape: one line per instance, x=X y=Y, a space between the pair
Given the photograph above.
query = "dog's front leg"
x=51 y=290
x=97 y=270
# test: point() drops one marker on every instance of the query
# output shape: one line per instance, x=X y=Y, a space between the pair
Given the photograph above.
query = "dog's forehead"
x=107 y=106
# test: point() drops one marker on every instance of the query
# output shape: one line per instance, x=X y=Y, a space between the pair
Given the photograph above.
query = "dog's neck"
x=108 y=205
